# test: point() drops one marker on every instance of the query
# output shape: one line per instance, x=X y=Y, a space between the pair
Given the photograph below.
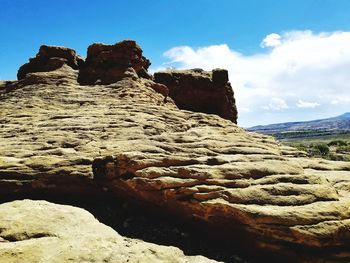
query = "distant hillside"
x=335 y=125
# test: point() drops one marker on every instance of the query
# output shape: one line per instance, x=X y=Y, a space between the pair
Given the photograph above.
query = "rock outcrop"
x=50 y=58
x=200 y=91
x=125 y=139
x=39 y=231
x=106 y=64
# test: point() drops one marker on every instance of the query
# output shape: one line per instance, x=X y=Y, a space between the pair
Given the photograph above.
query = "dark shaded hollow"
x=133 y=220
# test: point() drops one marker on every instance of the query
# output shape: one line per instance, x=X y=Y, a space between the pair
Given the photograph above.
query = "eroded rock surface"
x=59 y=136
x=39 y=231
x=50 y=58
x=200 y=91
x=106 y=64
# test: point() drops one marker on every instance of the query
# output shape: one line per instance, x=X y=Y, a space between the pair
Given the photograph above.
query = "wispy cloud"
x=294 y=73
x=307 y=104
x=276 y=104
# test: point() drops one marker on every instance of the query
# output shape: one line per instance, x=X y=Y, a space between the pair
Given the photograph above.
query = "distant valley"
x=307 y=129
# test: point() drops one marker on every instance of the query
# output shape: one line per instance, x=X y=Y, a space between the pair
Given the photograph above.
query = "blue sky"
x=168 y=30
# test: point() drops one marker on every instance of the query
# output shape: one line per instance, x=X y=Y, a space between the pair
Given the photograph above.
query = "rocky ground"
x=134 y=221
x=39 y=231
x=123 y=134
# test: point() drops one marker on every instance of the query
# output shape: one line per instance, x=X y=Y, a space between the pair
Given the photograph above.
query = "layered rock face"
x=201 y=91
x=106 y=64
x=39 y=231
x=50 y=58
x=126 y=139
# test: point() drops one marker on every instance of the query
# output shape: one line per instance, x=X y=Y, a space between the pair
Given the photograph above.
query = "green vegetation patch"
x=336 y=149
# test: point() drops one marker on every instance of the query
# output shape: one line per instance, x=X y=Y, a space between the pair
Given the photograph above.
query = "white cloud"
x=341 y=100
x=271 y=40
x=307 y=104
x=276 y=104
x=300 y=68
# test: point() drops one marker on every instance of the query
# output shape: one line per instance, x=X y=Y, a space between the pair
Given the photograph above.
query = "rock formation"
x=200 y=91
x=50 y=58
x=39 y=231
x=124 y=138
x=106 y=64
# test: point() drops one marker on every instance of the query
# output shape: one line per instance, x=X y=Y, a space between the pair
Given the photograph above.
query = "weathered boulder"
x=50 y=58
x=39 y=231
x=201 y=91
x=124 y=138
x=106 y=64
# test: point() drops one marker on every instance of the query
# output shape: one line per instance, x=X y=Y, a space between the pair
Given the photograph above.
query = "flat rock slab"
x=58 y=136
x=39 y=231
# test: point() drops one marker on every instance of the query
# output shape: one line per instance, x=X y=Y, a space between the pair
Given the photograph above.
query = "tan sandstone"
x=125 y=138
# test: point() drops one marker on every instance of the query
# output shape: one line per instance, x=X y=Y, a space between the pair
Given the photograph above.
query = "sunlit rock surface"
x=127 y=138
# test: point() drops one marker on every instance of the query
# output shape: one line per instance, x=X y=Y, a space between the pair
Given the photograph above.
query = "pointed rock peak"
x=50 y=58
x=106 y=64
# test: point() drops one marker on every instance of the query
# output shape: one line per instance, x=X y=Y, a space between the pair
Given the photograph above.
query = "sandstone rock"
x=201 y=91
x=106 y=64
x=39 y=231
x=50 y=58
x=4 y=86
x=126 y=139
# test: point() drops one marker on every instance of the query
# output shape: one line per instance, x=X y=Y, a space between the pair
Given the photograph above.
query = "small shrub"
x=337 y=143
x=343 y=149
x=318 y=149
x=300 y=147
x=323 y=148
x=338 y=157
